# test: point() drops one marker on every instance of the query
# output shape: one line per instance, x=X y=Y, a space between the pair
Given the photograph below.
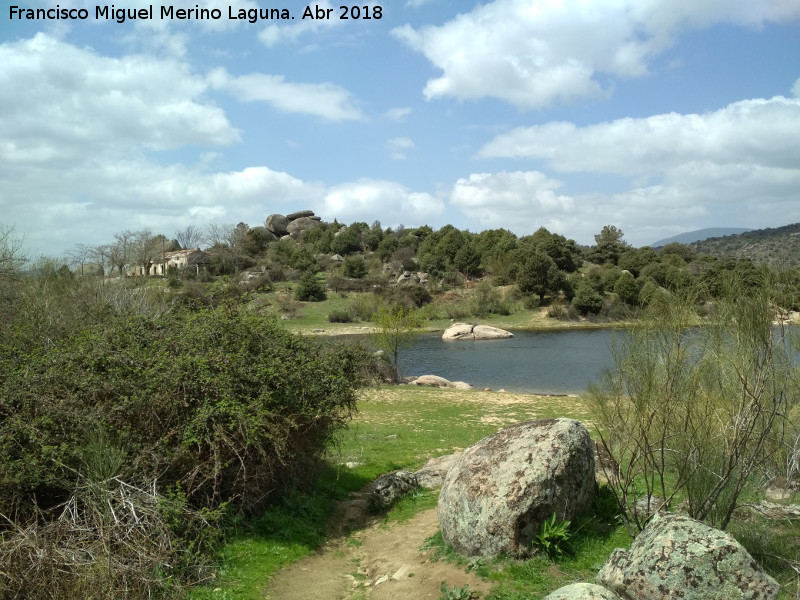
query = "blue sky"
x=656 y=116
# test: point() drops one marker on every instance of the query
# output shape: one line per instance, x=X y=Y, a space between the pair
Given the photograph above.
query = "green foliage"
x=539 y=275
x=587 y=300
x=340 y=316
x=458 y=593
x=487 y=299
x=553 y=538
x=627 y=289
x=396 y=329
x=347 y=241
x=226 y=404
x=695 y=412
x=355 y=267
x=467 y=260
x=310 y=289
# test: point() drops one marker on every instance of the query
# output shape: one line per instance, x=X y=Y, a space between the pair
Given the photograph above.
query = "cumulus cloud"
x=525 y=200
x=536 y=54
x=325 y=100
x=64 y=103
x=796 y=89
x=763 y=132
x=682 y=171
x=387 y=201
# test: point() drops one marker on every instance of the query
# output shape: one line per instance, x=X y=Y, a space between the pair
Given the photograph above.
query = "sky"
x=656 y=116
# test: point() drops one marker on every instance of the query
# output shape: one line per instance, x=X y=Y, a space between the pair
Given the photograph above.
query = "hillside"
x=778 y=247
x=689 y=237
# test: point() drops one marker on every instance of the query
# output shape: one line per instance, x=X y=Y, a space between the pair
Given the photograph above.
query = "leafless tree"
x=11 y=257
x=189 y=237
x=102 y=256
x=79 y=255
x=220 y=235
x=121 y=251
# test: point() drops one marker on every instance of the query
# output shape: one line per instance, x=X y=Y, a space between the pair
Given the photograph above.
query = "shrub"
x=229 y=406
x=310 y=289
x=695 y=412
x=339 y=316
x=354 y=267
x=587 y=300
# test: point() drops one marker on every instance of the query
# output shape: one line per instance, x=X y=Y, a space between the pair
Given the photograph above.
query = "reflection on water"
x=560 y=362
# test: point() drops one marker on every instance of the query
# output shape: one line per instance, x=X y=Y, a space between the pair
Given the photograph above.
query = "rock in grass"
x=387 y=489
x=582 y=591
x=496 y=497
x=678 y=557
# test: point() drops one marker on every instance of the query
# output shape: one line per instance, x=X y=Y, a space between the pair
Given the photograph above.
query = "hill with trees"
x=777 y=247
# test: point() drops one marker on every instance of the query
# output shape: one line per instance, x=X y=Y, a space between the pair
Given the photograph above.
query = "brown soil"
x=377 y=561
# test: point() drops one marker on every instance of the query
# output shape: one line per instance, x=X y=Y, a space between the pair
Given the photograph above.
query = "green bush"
x=225 y=404
x=587 y=300
x=310 y=289
x=340 y=316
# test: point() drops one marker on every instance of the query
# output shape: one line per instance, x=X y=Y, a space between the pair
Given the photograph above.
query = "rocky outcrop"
x=582 y=591
x=412 y=278
x=300 y=214
x=387 y=489
x=277 y=225
x=465 y=331
x=678 y=557
x=299 y=225
x=436 y=381
x=495 y=498
x=432 y=474
x=263 y=234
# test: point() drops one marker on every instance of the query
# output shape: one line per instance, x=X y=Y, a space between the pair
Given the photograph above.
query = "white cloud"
x=399 y=114
x=387 y=201
x=399 y=146
x=796 y=89
x=751 y=132
x=737 y=166
x=524 y=200
x=64 y=103
x=536 y=54
x=326 y=100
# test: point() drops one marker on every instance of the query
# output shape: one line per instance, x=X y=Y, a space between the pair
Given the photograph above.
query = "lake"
x=558 y=362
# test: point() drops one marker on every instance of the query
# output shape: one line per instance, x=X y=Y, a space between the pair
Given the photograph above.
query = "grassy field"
x=402 y=427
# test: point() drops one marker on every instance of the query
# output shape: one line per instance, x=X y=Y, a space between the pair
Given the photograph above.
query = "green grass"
x=402 y=427
x=427 y=422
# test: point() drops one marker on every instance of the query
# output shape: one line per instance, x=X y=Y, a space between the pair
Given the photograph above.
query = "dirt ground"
x=377 y=561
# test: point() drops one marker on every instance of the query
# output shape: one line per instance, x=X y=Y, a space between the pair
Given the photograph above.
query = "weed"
x=553 y=538
x=458 y=593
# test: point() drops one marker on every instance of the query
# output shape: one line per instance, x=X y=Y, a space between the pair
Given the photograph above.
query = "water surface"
x=557 y=362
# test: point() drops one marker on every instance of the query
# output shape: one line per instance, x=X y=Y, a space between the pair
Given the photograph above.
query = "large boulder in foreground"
x=465 y=331
x=678 y=557
x=582 y=591
x=495 y=498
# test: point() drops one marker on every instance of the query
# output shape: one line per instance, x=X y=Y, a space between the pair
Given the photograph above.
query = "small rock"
x=387 y=489
x=381 y=580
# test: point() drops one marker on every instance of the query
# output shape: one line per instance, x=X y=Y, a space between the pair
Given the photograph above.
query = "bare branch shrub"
x=694 y=409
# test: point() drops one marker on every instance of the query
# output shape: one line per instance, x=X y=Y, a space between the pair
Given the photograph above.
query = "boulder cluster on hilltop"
x=292 y=224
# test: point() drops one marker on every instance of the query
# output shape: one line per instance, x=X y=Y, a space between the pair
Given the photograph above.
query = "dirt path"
x=377 y=561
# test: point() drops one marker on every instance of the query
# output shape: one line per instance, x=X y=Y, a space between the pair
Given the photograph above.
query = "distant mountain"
x=701 y=234
x=779 y=247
